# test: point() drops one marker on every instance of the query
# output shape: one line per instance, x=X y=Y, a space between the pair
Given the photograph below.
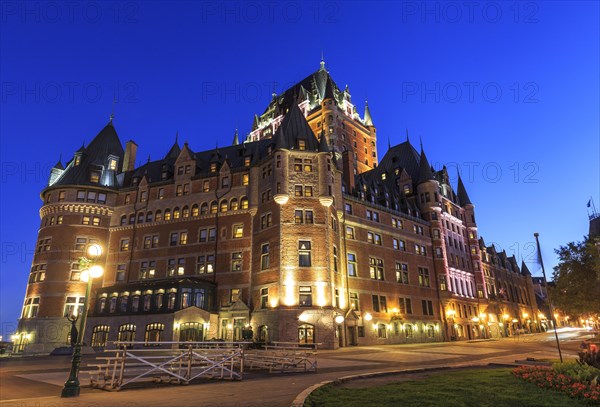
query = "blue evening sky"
x=506 y=92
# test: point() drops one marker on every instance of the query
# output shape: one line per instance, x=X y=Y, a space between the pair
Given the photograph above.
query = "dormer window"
x=77 y=160
x=112 y=164
x=247 y=161
x=213 y=167
x=301 y=144
x=95 y=176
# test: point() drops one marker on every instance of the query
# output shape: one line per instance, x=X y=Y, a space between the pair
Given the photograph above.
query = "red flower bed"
x=546 y=377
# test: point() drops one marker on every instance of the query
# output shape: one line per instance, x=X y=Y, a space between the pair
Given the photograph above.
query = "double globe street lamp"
x=90 y=271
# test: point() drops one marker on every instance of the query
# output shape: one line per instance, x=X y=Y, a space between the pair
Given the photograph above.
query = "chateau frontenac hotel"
x=300 y=233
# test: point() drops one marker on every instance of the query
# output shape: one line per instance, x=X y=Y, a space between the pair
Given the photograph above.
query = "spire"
x=425 y=173
x=389 y=145
x=175 y=149
x=112 y=113
x=421 y=142
x=407 y=139
x=524 y=270
x=236 y=139
x=59 y=165
x=322 y=64
x=368 y=120
x=463 y=197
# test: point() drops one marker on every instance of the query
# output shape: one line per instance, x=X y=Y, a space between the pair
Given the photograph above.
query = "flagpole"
x=548 y=295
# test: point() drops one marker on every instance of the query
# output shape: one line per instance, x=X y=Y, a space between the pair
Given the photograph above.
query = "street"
x=37 y=381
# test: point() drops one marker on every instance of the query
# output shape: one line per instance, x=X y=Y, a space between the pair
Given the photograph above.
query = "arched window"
x=126 y=333
x=381 y=331
x=203 y=208
x=176 y=213
x=123 y=220
x=263 y=333
x=140 y=218
x=224 y=205
x=306 y=334
x=158 y=216
x=185 y=212
x=149 y=217
x=132 y=219
x=167 y=214
x=100 y=335
x=213 y=207
x=191 y=332
x=244 y=203
x=195 y=211
x=153 y=334
x=233 y=204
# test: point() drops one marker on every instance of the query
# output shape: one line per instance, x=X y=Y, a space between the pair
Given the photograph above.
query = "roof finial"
x=407 y=139
x=148 y=157
x=112 y=113
x=389 y=145
x=177 y=137
x=274 y=94
x=322 y=61
x=421 y=142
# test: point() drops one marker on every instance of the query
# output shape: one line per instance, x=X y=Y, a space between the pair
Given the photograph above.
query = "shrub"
x=548 y=378
x=578 y=371
x=589 y=355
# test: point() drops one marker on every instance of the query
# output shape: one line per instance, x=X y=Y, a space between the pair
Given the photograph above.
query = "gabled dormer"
x=185 y=164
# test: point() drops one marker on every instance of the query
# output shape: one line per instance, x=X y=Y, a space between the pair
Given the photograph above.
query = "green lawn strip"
x=480 y=387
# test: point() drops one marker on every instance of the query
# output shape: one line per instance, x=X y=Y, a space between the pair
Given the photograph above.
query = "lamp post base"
x=72 y=388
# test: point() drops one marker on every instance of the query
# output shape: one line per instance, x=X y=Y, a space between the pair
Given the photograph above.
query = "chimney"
x=348 y=169
x=129 y=159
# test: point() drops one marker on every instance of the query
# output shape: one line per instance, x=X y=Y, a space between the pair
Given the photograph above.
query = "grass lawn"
x=474 y=387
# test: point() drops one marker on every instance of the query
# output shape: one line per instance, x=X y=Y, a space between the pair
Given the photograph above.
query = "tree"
x=577 y=278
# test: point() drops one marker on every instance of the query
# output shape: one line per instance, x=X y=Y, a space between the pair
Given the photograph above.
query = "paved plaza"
x=37 y=381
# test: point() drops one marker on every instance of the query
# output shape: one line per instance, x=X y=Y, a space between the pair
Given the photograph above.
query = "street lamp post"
x=91 y=271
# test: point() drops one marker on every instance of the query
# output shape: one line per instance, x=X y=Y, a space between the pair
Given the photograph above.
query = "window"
x=245 y=179
x=225 y=182
x=126 y=333
x=174 y=239
x=238 y=231
x=335 y=259
x=183 y=238
x=349 y=232
x=352 y=269
x=381 y=331
x=167 y=214
x=383 y=303
x=100 y=335
x=374 y=238
x=424 y=277
x=180 y=266
x=375 y=299
x=405 y=305
x=213 y=207
x=264 y=256
x=124 y=246
x=399 y=244
x=265 y=220
x=236 y=261
x=244 y=203
x=348 y=208
x=308 y=216
x=223 y=205
x=205 y=264
x=120 y=276
x=80 y=196
x=171 y=267
x=85 y=220
x=185 y=299
x=427 y=307
x=234 y=295
x=376 y=268
x=202 y=235
x=95 y=176
x=298 y=190
x=298 y=216
x=212 y=234
x=61 y=196
x=153 y=333
x=308 y=191
x=301 y=144
x=59 y=219
x=73 y=306
x=264 y=297
x=397 y=223
x=402 y=273
x=304 y=253
x=305 y=296
x=354 y=301
x=233 y=204
x=31 y=307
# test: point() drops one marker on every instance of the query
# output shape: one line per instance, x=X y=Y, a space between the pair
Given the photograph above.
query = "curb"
x=301 y=398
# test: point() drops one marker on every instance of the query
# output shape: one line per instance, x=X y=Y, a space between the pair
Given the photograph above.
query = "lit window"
x=238 y=231
x=376 y=268
x=352 y=268
x=304 y=253
x=264 y=256
x=305 y=296
x=236 y=261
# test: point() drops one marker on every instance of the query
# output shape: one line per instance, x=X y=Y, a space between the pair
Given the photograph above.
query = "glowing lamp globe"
x=96 y=271
x=94 y=250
